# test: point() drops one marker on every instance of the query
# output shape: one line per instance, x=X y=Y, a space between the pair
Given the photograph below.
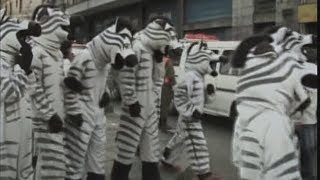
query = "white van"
x=224 y=83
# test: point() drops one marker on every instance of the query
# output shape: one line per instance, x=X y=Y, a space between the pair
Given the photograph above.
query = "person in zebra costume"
x=306 y=121
x=48 y=95
x=86 y=97
x=264 y=144
x=16 y=78
x=189 y=97
x=306 y=125
x=174 y=51
x=140 y=91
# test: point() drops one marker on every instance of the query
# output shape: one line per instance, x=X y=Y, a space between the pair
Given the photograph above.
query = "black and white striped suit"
x=138 y=84
x=188 y=97
x=48 y=95
x=47 y=99
x=15 y=137
x=14 y=155
x=264 y=144
x=85 y=146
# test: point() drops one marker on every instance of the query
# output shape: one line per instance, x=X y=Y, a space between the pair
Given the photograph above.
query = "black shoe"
x=120 y=171
x=150 y=171
x=94 y=176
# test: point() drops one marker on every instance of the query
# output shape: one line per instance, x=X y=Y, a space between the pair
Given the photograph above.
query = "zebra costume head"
x=202 y=60
x=264 y=45
x=14 y=35
x=55 y=26
x=160 y=35
x=114 y=45
x=297 y=43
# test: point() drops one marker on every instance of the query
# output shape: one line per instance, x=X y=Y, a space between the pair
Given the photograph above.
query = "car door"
x=225 y=86
x=208 y=79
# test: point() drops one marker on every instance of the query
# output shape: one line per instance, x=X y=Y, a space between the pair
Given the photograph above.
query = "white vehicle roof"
x=214 y=44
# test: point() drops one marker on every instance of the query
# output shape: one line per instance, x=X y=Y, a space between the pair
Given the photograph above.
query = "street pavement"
x=218 y=132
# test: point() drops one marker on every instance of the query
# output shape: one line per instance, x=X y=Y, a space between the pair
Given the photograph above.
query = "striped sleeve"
x=71 y=97
x=39 y=98
x=182 y=97
x=12 y=83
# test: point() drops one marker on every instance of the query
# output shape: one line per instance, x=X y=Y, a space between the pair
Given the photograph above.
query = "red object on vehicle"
x=200 y=36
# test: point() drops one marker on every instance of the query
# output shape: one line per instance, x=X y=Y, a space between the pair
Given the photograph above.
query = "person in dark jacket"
x=167 y=92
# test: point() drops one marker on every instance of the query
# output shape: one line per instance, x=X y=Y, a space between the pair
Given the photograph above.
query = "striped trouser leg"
x=280 y=151
x=96 y=154
x=149 y=146
x=26 y=171
x=175 y=144
x=25 y=152
x=9 y=149
x=51 y=156
x=128 y=136
x=268 y=150
x=177 y=138
x=196 y=147
x=77 y=144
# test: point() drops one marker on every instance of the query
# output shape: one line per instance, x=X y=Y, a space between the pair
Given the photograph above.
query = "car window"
x=216 y=51
x=225 y=68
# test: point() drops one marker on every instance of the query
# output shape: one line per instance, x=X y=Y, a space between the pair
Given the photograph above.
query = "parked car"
x=223 y=104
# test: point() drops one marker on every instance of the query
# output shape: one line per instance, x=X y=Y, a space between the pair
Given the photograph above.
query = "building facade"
x=23 y=9
x=227 y=19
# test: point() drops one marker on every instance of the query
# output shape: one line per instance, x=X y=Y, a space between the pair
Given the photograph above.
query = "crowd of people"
x=52 y=118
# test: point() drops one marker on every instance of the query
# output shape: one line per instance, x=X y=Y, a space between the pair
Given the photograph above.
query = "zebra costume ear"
x=240 y=55
x=203 y=45
x=121 y=24
x=164 y=22
x=191 y=46
x=310 y=81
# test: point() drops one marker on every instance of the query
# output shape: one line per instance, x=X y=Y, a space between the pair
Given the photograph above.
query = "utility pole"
x=179 y=26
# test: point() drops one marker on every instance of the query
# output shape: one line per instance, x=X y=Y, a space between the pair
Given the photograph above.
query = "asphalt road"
x=218 y=132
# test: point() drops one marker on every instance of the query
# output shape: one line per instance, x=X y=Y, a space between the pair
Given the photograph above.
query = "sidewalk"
x=135 y=174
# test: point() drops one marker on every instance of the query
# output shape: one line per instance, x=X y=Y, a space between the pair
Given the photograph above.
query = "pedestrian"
x=47 y=99
x=86 y=98
x=167 y=93
x=264 y=145
x=140 y=93
x=189 y=100
x=16 y=78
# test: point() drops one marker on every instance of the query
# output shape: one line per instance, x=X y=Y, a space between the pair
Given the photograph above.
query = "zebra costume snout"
x=34 y=29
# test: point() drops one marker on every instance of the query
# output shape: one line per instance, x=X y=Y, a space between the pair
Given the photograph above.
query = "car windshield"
x=225 y=68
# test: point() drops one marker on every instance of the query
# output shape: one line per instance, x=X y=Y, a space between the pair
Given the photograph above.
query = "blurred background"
x=226 y=20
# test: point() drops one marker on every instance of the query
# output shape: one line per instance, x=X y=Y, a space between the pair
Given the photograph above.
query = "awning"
x=307 y=13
